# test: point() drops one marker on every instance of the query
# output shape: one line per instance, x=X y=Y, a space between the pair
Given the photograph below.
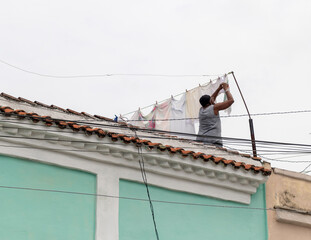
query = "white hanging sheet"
x=187 y=106
x=178 y=111
x=193 y=96
x=163 y=115
x=145 y=121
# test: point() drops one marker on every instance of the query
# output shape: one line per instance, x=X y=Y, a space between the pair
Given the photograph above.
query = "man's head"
x=205 y=100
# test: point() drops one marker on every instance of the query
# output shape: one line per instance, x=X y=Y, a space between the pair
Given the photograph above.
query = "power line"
x=145 y=154
x=135 y=199
x=223 y=116
x=150 y=131
x=144 y=177
x=288 y=146
x=106 y=74
x=151 y=105
x=303 y=148
x=167 y=132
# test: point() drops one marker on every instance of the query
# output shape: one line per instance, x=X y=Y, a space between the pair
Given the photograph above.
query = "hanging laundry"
x=192 y=102
x=178 y=111
x=162 y=115
x=193 y=96
x=144 y=121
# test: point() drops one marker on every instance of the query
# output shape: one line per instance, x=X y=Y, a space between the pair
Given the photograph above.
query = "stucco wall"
x=292 y=191
x=37 y=215
x=182 y=222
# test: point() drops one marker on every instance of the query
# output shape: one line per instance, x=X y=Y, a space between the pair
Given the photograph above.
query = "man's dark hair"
x=205 y=100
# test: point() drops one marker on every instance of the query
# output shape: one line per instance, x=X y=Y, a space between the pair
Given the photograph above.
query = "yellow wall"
x=289 y=190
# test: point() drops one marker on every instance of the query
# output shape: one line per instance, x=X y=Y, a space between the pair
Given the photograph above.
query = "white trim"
x=292 y=217
x=112 y=161
x=107 y=211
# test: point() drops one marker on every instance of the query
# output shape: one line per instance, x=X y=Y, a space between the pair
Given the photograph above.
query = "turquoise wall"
x=182 y=222
x=34 y=215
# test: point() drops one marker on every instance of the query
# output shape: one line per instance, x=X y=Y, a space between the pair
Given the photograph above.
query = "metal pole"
x=251 y=125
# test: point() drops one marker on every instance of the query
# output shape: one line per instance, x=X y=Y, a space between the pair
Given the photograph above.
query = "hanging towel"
x=178 y=111
x=145 y=121
x=192 y=102
x=193 y=96
x=163 y=115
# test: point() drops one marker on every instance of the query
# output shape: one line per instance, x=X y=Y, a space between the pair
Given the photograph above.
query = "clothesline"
x=151 y=105
x=186 y=108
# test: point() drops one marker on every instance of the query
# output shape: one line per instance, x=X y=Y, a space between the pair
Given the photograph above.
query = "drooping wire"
x=106 y=75
x=135 y=199
x=173 y=133
x=262 y=145
x=177 y=95
x=144 y=177
x=226 y=116
x=278 y=149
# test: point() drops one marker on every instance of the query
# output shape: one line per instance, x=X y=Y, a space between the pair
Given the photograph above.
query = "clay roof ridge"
x=62 y=124
x=98 y=117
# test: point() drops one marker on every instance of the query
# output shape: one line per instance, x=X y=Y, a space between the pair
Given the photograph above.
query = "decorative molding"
x=291 y=174
x=239 y=182
x=293 y=217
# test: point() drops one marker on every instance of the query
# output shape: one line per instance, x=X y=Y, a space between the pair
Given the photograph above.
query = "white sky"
x=266 y=43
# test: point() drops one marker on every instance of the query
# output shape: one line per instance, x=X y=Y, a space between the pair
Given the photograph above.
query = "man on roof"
x=210 y=125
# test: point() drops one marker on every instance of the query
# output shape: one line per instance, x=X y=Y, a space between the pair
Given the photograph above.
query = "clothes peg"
x=115 y=118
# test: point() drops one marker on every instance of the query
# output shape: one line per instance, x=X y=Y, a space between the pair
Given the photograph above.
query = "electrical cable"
x=267 y=152
x=146 y=154
x=172 y=132
x=135 y=199
x=301 y=148
x=227 y=116
x=106 y=74
x=151 y=105
x=144 y=177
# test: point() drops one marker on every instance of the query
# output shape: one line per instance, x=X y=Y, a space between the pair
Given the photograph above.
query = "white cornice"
x=180 y=173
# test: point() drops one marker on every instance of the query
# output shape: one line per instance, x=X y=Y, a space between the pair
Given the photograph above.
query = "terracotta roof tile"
x=238 y=164
x=218 y=159
x=197 y=155
x=104 y=118
x=9 y=97
x=150 y=144
x=248 y=166
x=42 y=104
x=56 y=107
x=87 y=114
x=186 y=153
x=162 y=147
x=7 y=111
x=174 y=150
x=101 y=133
x=26 y=100
x=227 y=162
x=207 y=157
x=73 y=112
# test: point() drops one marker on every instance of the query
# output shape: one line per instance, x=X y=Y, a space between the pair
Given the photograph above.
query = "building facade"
x=63 y=178
x=288 y=198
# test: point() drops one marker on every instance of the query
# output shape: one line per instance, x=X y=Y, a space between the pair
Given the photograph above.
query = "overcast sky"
x=266 y=43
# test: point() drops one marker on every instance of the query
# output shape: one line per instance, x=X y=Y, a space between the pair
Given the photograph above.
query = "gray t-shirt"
x=210 y=126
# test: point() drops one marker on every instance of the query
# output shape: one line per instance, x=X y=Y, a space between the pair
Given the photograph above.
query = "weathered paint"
x=290 y=193
x=37 y=215
x=184 y=222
